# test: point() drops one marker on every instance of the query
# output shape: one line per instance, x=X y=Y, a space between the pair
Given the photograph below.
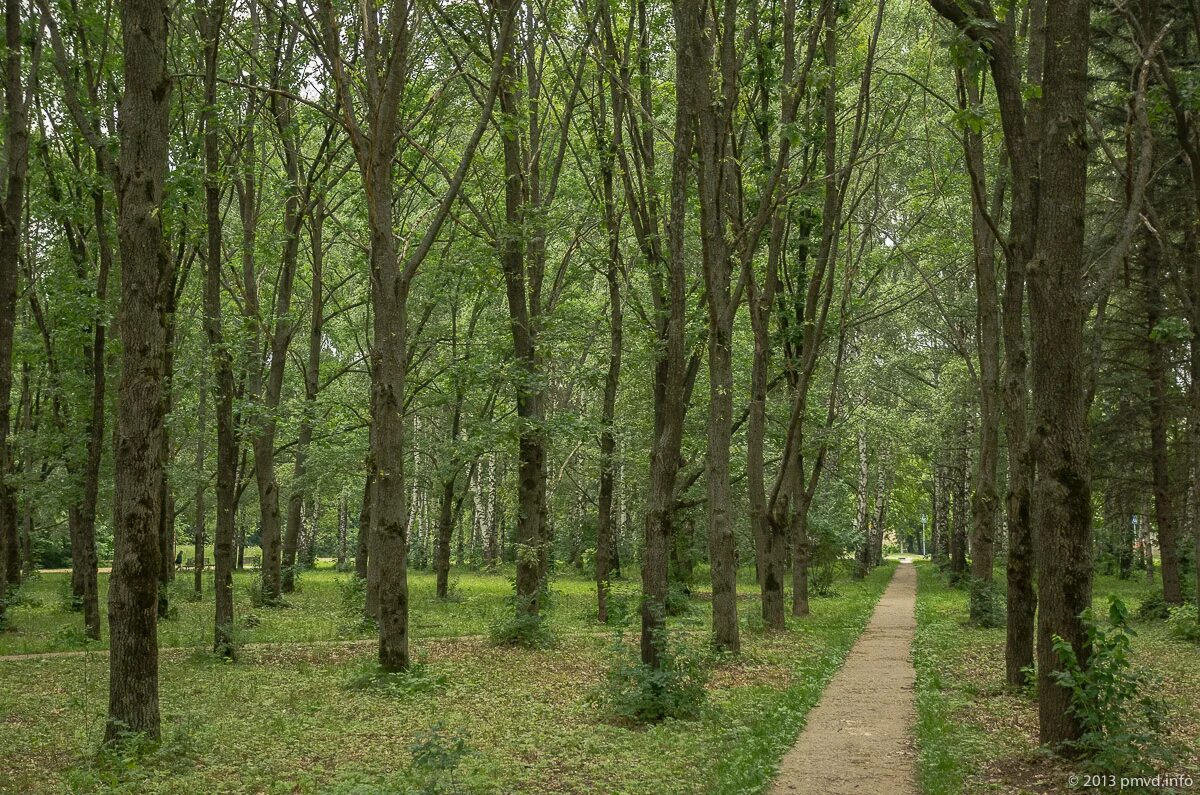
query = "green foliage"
x=352 y=604
x=1122 y=723
x=822 y=576
x=436 y=757
x=419 y=678
x=637 y=692
x=1154 y=608
x=123 y=764
x=1182 y=624
x=679 y=599
x=988 y=604
x=521 y=627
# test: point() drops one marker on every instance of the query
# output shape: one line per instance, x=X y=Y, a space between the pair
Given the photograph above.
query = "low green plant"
x=641 y=693
x=987 y=602
x=352 y=605
x=1154 y=608
x=821 y=578
x=436 y=757
x=418 y=678
x=1123 y=724
x=679 y=599
x=521 y=628
x=454 y=591
x=1182 y=624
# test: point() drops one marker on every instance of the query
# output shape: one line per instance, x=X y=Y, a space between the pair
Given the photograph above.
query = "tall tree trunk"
x=362 y=547
x=343 y=530
x=861 y=514
x=695 y=37
x=16 y=162
x=166 y=510
x=209 y=18
x=145 y=280
x=516 y=259
x=612 y=225
x=199 y=526
x=958 y=536
x=671 y=363
x=986 y=497
x=1062 y=501
x=312 y=377
x=1156 y=372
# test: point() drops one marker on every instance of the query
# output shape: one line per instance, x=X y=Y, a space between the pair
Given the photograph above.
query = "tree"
x=145 y=279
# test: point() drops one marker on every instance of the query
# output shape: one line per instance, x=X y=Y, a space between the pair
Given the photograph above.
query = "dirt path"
x=858 y=738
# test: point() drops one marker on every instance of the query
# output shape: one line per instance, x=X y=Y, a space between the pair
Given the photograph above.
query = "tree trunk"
x=612 y=223
x=138 y=466
x=958 y=536
x=517 y=259
x=861 y=515
x=198 y=498
x=362 y=547
x=694 y=48
x=445 y=532
x=986 y=497
x=343 y=530
x=16 y=161
x=225 y=556
x=1156 y=372
x=1062 y=499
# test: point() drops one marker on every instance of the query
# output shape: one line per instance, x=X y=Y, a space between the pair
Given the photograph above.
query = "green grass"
x=297 y=717
x=976 y=735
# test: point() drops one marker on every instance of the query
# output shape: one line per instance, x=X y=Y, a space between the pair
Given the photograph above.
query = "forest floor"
x=976 y=735
x=292 y=714
x=858 y=739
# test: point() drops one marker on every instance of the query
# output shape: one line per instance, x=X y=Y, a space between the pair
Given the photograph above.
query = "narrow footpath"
x=858 y=739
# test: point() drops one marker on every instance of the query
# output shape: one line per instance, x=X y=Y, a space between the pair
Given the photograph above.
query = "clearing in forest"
x=858 y=737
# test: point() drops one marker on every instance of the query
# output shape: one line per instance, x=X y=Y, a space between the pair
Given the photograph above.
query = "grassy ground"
x=976 y=736
x=472 y=718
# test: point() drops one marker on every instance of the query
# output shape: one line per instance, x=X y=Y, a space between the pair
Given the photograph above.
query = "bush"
x=522 y=629
x=1122 y=724
x=679 y=598
x=1183 y=624
x=988 y=604
x=624 y=604
x=639 y=693
x=1154 y=608
x=821 y=578
x=352 y=605
x=436 y=756
x=419 y=678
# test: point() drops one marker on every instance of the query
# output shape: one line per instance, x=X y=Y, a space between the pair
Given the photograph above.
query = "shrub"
x=522 y=629
x=418 y=678
x=988 y=607
x=679 y=598
x=1154 y=608
x=436 y=756
x=1183 y=624
x=352 y=605
x=640 y=693
x=624 y=604
x=821 y=578
x=1122 y=724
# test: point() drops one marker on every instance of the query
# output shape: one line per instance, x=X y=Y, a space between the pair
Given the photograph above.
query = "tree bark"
x=199 y=527
x=985 y=498
x=209 y=17
x=1156 y=372
x=16 y=162
x=1062 y=489
x=145 y=280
